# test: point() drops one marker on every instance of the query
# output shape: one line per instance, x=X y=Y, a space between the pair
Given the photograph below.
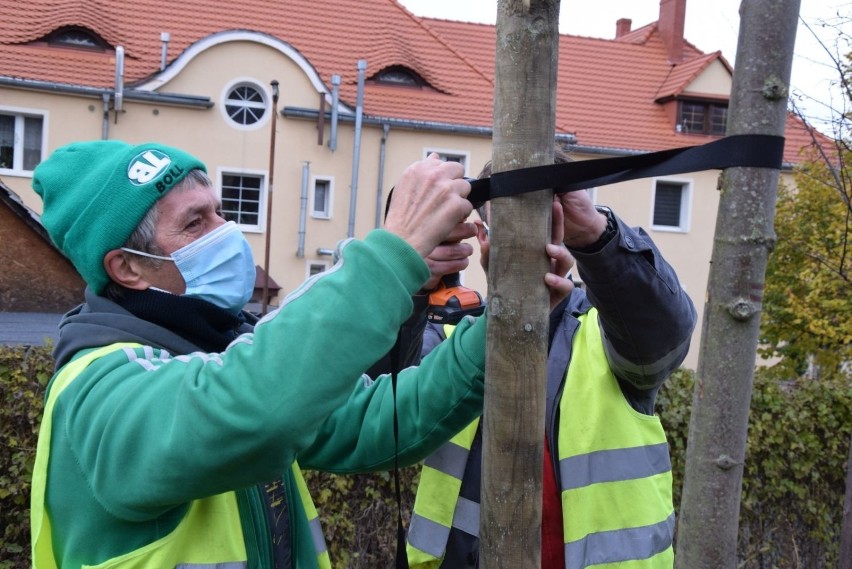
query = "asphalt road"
x=29 y=328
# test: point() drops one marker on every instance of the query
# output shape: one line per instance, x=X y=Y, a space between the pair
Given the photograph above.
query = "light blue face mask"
x=218 y=267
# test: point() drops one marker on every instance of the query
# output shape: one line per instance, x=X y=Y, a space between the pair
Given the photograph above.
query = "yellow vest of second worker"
x=615 y=476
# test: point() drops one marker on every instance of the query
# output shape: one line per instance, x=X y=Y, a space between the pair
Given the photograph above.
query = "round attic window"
x=245 y=104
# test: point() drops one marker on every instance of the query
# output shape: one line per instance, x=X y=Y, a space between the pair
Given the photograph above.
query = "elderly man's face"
x=184 y=215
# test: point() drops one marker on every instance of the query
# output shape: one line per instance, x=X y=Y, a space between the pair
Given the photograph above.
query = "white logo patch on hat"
x=147 y=166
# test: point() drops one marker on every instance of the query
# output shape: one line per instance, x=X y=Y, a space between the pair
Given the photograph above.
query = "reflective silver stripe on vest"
x=226 y=565
x=613 y=465
x=316 y=534
x=428 y=536
x=451 y=459
x=620 y=545
x=431 y=537
x=466 y=516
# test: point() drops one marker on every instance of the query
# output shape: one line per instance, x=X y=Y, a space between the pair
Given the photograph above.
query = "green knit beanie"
x=96 y=193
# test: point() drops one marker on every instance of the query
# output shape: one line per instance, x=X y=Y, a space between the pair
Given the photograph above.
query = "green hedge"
x=794 y=479
x=24 y=373
x=793 y=484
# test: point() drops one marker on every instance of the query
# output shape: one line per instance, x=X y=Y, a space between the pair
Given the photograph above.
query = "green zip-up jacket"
x=136 y=439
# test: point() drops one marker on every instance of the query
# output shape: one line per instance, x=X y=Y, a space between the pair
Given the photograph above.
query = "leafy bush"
x=24 y=373
x=794 y=476
x=793 y=484
x=359 y=514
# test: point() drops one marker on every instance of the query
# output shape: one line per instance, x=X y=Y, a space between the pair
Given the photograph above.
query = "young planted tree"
x=709 y=512
x=513 y=419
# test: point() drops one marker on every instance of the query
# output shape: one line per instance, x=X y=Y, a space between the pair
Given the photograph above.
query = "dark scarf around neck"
x=204 y=324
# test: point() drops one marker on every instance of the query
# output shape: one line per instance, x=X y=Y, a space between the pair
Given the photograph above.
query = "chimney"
x=622 y=27
x=670 y=24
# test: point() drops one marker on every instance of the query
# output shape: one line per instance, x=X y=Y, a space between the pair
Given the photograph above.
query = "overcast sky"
x=710 y=25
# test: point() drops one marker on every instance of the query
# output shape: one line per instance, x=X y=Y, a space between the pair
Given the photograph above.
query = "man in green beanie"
x=174 y=424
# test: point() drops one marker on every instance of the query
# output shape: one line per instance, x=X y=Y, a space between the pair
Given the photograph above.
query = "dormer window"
x=399 y=75
x=702 y=117
x=77 y=38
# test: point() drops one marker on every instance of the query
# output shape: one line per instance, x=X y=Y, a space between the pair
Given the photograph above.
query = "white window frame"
x=446 y=152
x=329 y=200
x=264 y=193
x=254 y=84
x=685 y=221
x=315 y=263
x=19 y=113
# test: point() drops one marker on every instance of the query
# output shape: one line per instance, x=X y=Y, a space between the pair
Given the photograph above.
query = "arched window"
x=399 y=75
x=76 y=37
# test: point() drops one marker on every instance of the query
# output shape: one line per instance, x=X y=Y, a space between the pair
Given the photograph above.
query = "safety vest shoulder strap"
x=438 y=506
x=323 y=560
x=42 y=545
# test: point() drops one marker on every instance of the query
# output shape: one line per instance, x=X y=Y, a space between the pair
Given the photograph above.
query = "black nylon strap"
x=744 y=150
x=401 y=554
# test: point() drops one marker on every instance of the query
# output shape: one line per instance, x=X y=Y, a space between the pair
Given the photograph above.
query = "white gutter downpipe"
x=118 y=104
x=356 y=154
x=380 y=206
x=335 y=100
x=165 y=37
x=303 y=208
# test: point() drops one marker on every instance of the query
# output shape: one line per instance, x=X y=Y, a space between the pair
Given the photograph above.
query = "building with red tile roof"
x=366 y=88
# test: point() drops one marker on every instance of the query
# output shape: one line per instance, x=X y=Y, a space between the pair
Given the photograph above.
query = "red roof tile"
x=606 y=94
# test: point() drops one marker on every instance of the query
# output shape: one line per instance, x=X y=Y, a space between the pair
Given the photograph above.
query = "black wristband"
x=610 y=232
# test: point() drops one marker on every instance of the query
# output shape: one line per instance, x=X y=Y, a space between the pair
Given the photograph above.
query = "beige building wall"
x=224 y=147
x=714 y=80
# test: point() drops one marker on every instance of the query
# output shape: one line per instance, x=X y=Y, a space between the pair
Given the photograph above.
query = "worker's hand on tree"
x=583 y=223
x=451 y=256
x=428 y=202
x=561 y=261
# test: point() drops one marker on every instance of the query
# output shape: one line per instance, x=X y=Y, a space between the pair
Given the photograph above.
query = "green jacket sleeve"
x=151 y=431
x=434 y=401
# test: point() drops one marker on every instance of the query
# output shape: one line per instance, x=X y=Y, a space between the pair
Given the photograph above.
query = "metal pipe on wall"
x=118 y=96
x=303 y=208
x=335 y=100
x=265 y=299
x=105 y=126
x=165 y=37
x=380 y=206
x=356 y=152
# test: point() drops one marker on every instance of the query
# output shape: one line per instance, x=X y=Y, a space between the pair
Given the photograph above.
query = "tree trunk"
x=709 y=513
x=513 y=420
x=846 y=531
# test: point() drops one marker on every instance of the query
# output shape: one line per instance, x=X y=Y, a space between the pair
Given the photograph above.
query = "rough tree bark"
x=709 y=512
x=513 y=420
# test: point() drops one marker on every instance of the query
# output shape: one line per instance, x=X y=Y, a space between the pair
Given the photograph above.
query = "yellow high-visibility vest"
x=210 y=532
x=615 y=476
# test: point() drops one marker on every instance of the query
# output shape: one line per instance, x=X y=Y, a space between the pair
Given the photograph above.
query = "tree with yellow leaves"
x=807 y=310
